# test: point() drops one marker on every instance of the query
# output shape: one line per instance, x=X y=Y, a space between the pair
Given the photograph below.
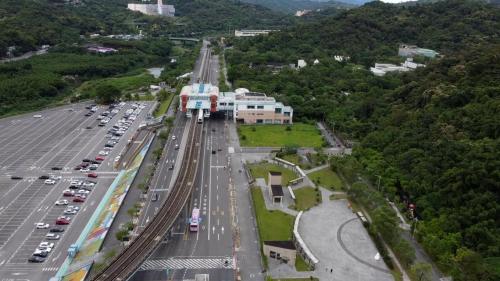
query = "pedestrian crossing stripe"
x=189 y=263
x=50 y=268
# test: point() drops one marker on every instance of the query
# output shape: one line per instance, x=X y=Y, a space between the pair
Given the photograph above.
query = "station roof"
x=281 y=244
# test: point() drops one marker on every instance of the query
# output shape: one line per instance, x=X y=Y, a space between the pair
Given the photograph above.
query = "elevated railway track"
x=131 y=258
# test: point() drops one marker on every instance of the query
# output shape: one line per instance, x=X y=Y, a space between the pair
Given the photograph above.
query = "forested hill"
x=214 y=16
x=28 y=24
x=375 y=30
x=431 y=134
x=291 y=6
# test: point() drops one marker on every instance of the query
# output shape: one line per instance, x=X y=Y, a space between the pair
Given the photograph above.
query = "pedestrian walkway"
x=188 y=263
x=315 y=169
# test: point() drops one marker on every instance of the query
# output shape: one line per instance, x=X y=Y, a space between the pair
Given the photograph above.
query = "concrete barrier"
x=301 y=246
x=292 y=166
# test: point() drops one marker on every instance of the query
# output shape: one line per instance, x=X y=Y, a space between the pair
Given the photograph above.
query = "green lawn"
x=163 y=107
x=302 y=135
x=301 y=265
x=261 y=170
x=305 y=198
x=326 y=178
x=273 y=225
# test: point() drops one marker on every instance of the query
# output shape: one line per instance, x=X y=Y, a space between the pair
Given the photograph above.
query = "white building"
x=153 y=9
x=301 y=63
x=251 y=33
x=241 y=105
x=380 y=69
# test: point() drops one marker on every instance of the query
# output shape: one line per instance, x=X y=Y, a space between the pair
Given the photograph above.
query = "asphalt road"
x=30 y=148
x=210 y=250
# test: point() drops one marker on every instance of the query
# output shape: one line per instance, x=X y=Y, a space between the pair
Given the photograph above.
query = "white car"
x=61 y=202
x=71 y=207
x=76 y=182
x=46 y=245
x=84 y=170
x=37 y=116
x=174 y=137
x=104 y=153
x=52 y=236
x=69 y=212
x=41 y=225
x=50 y=182
x=88 y=184
x=56 y=178
x=83 y=191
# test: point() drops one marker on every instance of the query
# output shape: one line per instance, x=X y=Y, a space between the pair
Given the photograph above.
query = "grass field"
x=300 y=264
x=273 y=225
x=302 y=135
x=305 y=198
x=125 y=83
x=327 y=178
x=163 y=107
x=261 y=170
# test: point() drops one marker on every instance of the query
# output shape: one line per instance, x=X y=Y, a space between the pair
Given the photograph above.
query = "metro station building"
x=242 y=105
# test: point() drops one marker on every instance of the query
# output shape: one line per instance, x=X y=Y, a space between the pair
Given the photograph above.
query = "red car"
x=99 y=158
x=92 y=175
x=62 y=221
x=78 y=199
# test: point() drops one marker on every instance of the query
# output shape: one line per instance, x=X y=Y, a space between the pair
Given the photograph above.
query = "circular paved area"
x=342 y=244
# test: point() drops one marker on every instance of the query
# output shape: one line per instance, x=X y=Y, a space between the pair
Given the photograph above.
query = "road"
x=210 y=250
x=30 y=148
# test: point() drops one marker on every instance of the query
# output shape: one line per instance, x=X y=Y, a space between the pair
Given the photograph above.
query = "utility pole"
x=378 y=183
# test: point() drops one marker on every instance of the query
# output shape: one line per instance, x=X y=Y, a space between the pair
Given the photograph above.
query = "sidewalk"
x=249 y=264
x=315 y=169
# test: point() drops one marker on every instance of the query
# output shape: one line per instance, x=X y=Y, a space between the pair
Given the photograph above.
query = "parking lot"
x=52 y=143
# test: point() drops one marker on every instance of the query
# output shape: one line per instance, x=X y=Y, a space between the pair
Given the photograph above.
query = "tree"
x=121 y=235
x=385 y=222
x=405 y=252
x=421 y=271
x=107 y=93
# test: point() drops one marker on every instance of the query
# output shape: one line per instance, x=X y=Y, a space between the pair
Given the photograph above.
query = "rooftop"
x=274 y=173
x=277 y=190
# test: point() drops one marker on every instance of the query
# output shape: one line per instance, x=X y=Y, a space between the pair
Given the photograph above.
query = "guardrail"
x=301 y=246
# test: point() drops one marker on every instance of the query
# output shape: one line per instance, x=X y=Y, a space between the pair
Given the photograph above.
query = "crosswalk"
x=50 y=268
x=188 y=263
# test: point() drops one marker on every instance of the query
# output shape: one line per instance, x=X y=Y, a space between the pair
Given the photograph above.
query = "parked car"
x=52 y=236
x=69 y=212
x=78 y=199
x=56 y=229
x=46 y=245
x=83 y=191
x=16 y=178
x=49 y=182
x=92 y=175
x=99 y=158
x=61 y=202
x=44 y=177
x=41 y=225
x=68 y=193
x=36 y=259
x=56 y=168
x=62 y=220
x=40 y=254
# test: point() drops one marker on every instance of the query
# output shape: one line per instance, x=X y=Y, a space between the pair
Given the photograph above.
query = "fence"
x=301 y=246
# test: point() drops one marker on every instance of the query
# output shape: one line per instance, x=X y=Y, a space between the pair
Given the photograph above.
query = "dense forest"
x=291 y=6
x=431 y=134
x=41 y=80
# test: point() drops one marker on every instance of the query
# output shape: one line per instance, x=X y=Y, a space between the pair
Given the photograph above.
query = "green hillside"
x=431 y=134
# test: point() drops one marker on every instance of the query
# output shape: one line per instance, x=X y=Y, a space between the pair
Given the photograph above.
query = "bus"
x=195 y=220
x=200 y=116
